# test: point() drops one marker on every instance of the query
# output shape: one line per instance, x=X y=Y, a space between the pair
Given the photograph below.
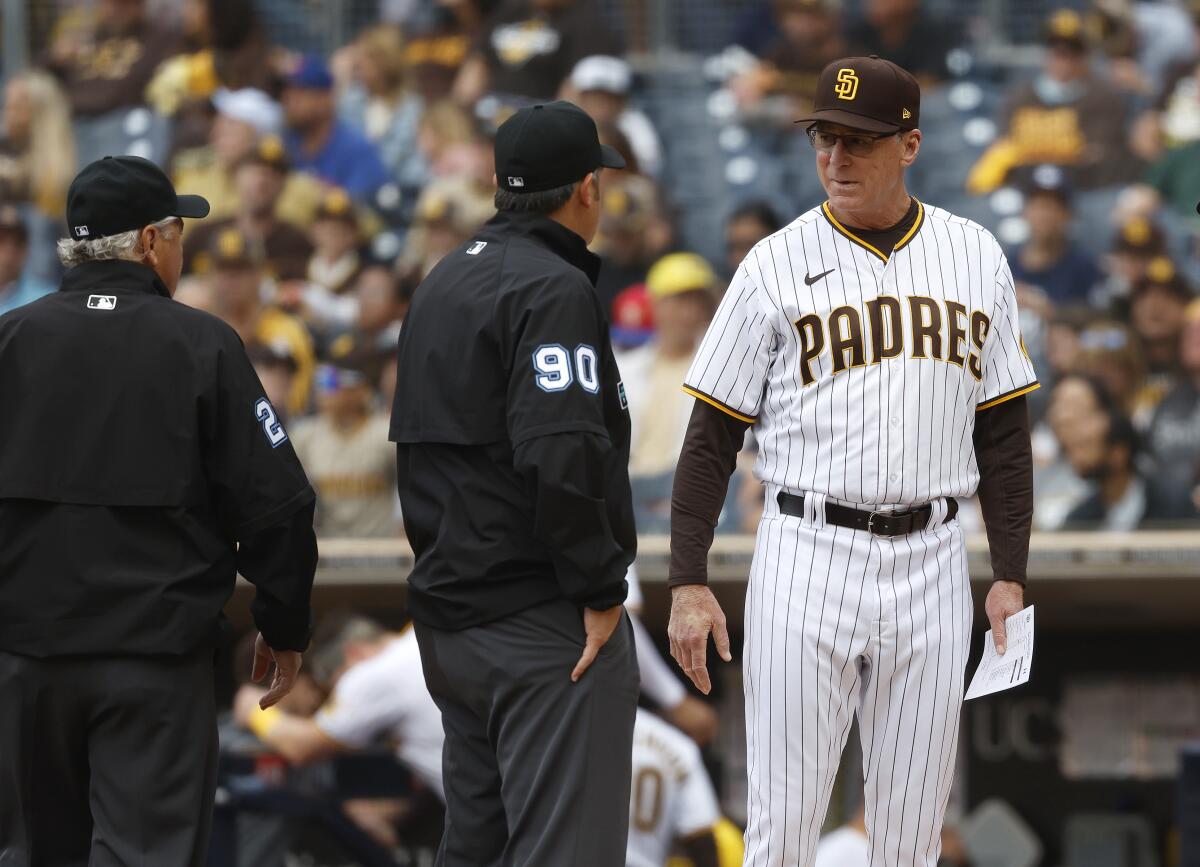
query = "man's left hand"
x=1005 y=599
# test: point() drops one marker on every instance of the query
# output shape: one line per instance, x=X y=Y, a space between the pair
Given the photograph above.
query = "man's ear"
x=912 y=146
x=148 y=238
x=589 y=190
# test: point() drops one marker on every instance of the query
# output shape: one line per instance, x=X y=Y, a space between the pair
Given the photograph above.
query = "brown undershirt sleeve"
x=1005 y=458
x=707 y=461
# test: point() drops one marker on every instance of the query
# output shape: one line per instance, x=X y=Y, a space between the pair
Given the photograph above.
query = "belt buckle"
x=885 y=532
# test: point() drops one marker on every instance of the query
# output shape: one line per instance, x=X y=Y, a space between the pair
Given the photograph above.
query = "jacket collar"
x=552 y=235
x=114 y=274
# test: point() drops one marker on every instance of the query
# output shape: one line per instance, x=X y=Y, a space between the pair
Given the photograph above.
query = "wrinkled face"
x=867 y=184
x=231 y=139
x=258 y=187
x=305 y=107
x=18 y=110
x=740 y=236
x=1047 y=216
x=1157 y=314
x=13 y=249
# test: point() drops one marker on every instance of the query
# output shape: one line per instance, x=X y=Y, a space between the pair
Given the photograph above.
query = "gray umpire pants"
x=536 y=768
x=106 y=762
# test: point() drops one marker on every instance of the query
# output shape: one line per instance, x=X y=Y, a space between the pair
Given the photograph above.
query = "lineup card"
x=996 y=672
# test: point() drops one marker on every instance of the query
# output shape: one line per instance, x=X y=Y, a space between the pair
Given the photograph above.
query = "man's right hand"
x=287 y=668
x=599 y=627
x=695 y=613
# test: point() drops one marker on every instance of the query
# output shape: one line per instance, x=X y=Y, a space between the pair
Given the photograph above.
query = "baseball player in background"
x=873 y=344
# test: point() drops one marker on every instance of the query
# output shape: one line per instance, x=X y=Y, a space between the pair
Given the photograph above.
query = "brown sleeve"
x=707 y=461
x=1005 y=458
x=701 y=849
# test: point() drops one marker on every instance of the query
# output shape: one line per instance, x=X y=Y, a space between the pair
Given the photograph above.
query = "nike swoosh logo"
x=808 y=281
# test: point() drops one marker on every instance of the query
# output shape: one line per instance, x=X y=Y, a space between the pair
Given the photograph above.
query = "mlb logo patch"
x=476 y=248
x=516 y=182
x=81 y=231
x=102 y=302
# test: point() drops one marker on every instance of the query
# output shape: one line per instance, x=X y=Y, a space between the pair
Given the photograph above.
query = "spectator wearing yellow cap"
x=237 y=285
x=259 y=180
x=683 y=295
x=1173 y=436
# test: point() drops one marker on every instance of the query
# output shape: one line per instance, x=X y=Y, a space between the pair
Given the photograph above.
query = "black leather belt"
x=889 y=523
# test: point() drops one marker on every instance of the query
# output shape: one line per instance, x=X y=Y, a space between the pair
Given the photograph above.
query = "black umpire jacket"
x=512 y=430
x=137 y=450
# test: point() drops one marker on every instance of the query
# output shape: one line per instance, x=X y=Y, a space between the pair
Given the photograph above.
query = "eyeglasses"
x=856 y=144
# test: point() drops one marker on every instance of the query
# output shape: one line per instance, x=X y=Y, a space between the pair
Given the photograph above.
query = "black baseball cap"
x=549 y=145
x=867 y=93
x=117 y=194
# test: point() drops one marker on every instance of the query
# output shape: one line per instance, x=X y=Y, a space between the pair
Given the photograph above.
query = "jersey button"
x=895 y=420
x=895 y=477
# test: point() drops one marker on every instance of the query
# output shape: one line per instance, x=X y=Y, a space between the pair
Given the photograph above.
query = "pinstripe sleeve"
x=1007 y=369
x=730 y=368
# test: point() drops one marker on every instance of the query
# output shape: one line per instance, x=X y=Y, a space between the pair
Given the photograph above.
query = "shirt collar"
x=124 y=274
x=552 y=235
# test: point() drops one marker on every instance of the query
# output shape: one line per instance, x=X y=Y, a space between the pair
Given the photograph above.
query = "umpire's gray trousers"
x=536 y=768
x=106 y=762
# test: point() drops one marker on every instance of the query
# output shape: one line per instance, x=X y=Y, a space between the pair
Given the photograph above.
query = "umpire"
x=512 y=436
x=141 y=467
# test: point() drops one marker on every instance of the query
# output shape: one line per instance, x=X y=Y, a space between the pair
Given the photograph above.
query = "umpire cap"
x=867 y=93
x=117 y=194
x=549 y=145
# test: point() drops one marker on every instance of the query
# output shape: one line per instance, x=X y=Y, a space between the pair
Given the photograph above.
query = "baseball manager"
x=141 y=468
x=873 y=345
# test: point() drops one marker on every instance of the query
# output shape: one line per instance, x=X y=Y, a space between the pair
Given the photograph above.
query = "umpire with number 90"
x=141 y=468
x=512 y=439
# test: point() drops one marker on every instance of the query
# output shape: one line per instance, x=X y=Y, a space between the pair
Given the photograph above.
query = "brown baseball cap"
x=867 y=93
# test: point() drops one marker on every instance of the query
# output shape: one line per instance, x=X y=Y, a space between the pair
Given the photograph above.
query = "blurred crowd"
x=339 y=179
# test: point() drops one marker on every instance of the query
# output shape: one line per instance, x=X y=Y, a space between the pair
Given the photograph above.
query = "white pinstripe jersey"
x=863 y=372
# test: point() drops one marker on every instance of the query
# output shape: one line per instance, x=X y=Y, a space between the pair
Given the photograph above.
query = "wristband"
x=262 y=721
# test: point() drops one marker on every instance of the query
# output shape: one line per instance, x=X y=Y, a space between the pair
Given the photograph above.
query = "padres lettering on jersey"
x=863 y=371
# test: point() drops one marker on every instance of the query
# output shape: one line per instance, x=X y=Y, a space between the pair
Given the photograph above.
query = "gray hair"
x=123 y=245
x=544 y=202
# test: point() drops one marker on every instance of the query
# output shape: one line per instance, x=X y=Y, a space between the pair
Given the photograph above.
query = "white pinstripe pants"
x=839 y=622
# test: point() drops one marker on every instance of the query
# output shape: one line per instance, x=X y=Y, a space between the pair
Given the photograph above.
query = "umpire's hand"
x=598 y=627
x=695 y=613
x=287 y=668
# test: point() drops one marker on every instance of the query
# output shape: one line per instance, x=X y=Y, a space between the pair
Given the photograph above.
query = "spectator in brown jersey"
x=1156 y=312
x=237 y=283
x=106 y=54
x=1067 y=116
x=809 y=37
x=258 y=180
x=906 y=34
x=1173 y=437
x=346 y=453
x=336 y=238
x=529 y=47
